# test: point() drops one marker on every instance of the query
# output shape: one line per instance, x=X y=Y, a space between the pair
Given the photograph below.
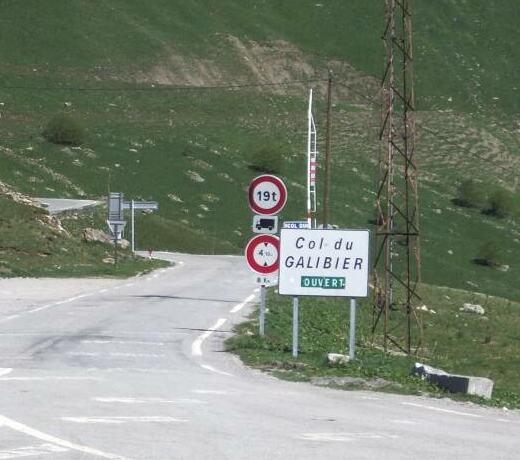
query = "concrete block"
x=337 y=358
x=479 y=386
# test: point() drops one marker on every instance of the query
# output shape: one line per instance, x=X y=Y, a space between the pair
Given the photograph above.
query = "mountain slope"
x=178 y=96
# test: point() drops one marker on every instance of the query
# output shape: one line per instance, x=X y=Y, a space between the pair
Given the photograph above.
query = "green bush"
x=501 y=204
x=470 y=194
x=267 y=159
x=64 y=130
x=488 y=255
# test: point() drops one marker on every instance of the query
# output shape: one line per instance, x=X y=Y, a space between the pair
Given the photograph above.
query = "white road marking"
x=216 y=371
x=124 y=342
x=21 y=428
x=210 y=392
x=5 y=371
x=8 y=318
x=241 y=305
x=31 y=451
x=121 y=420
x=116 y=354
x=343 y=437
x=102 y=291
x=146 y=370
x=148 y=400
x=257 y=290
x=45 y=379
x=438 y=409
x=196 y=346
x=403 y=422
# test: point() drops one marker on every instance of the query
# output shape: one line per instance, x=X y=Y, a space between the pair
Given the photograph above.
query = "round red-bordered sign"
x=263 y=253
x=267 y=195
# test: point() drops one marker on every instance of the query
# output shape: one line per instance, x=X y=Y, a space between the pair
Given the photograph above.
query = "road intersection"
x=134 y=369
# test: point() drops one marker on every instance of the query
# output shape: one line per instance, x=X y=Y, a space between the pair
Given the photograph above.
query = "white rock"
x=472 y=308
x=337 y=358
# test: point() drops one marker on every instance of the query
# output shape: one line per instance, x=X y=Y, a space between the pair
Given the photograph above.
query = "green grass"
x=453 y=341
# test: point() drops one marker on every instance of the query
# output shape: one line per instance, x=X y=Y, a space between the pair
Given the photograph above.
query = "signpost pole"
x=116 y=228
x=295 y=328
x=133 y=224
x=262 y=310
x=352 y=335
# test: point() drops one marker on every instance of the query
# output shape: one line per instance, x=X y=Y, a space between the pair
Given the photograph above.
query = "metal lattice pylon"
x=397 y=255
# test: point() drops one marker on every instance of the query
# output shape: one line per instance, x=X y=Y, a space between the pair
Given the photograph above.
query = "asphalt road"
x=57 y=205
x=135 y=370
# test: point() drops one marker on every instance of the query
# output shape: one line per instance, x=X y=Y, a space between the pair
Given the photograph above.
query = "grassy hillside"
x=150 y=81
x=34 y=244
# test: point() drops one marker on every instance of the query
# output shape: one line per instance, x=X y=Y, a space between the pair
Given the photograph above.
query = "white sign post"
x=324 y=263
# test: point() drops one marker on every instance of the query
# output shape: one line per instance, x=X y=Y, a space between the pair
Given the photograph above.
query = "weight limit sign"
x=267 y=195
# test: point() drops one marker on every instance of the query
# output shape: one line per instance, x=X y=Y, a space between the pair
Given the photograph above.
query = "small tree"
x=501 y=204
x=65 y=130
x=470 y=194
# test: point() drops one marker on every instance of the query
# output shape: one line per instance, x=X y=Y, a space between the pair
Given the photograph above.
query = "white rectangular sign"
x=267 y=280
x=324 y=263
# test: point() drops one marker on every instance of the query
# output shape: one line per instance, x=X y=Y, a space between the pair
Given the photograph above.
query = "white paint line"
x=45 y=379
x=145 y=370
x=403 y=422
x=31 y=451
x=121 y=420
x=502 y=420
x=116 y=288
x=8 y=318
x=124 y=342
x=43 y=307
x=438 y=409
x=257 y=290
x=102 y=291
x=196 y=346
x=5 y=371
x=129 y=285
x=21 y=428
x=241 y=305
x=216 y=371
x=117 y=354
x=343 y=437
x=210 y=392
x=147 y=400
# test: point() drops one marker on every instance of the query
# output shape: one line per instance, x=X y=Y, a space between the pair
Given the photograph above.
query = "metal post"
x=295 y=328
x=262 y=310
x=116 y=228
x=352 y=335
x=133 y=224
x=326 y=188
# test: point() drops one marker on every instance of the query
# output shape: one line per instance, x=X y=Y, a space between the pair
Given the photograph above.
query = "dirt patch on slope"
x=277 y=63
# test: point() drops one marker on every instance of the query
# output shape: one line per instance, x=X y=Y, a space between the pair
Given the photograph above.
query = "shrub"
x=501 y=204
x=488 y=255
x=470 y=194
x=267 y=159
x=65 y=130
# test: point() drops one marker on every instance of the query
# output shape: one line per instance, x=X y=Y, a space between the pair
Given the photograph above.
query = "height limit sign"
x=262 y=253
x=267 y=195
